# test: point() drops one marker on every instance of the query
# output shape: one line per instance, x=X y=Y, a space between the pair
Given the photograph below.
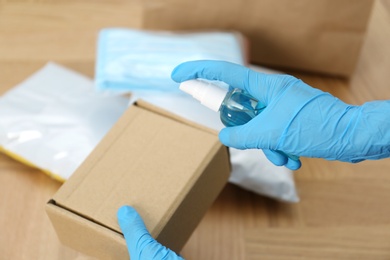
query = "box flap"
x=86 y=236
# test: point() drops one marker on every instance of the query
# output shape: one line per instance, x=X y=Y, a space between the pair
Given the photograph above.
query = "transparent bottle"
x=236 y=107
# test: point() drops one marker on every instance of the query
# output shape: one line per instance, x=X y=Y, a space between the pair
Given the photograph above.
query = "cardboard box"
x=169 y=169
x=322 y=36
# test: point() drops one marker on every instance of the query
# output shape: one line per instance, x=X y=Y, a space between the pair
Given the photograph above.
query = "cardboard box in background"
x=323 y=36
x=169 y=169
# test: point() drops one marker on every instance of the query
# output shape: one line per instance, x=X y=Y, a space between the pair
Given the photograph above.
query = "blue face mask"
x=130 y=60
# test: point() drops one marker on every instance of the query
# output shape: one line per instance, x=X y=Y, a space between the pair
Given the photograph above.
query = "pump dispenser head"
x=209 y=94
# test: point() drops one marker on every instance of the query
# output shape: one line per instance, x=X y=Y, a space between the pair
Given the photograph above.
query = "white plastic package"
x=129 y=59
x=55 y=118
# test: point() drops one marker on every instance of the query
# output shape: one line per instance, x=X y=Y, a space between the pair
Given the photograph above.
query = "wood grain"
x=318 y=243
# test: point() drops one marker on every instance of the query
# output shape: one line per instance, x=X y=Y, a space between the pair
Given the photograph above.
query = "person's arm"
x=298 y=119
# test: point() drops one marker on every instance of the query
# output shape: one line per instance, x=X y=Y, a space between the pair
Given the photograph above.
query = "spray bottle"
x=236 y=107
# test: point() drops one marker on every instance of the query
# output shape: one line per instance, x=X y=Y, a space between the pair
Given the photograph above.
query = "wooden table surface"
x=344 y=212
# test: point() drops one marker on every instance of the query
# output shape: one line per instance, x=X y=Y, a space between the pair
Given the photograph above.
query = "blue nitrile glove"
x=140 y=243
x=298 y=119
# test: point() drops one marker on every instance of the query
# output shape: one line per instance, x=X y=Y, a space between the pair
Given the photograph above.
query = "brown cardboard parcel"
x=322 y=36
x=169 y=169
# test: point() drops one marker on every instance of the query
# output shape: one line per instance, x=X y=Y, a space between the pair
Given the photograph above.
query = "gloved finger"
x=237 y=137
x=140 y=243
x=134 y=231
x=281 y=159
x=249 y=135
x=277 y=158
x=235 y=75
x=293 y=164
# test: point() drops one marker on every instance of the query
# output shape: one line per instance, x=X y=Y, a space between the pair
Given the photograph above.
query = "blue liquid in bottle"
x=239 y=107
x=236 y=107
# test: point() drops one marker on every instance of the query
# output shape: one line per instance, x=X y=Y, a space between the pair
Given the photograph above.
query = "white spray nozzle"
x=209 y=95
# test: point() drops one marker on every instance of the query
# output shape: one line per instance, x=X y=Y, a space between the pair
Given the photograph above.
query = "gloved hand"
x=140 y=243
x=298 y=119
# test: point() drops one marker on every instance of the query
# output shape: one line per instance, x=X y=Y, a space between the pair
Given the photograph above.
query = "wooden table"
x=344 y=211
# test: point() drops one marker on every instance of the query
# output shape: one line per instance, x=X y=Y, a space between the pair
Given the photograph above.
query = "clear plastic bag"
x=55 y=118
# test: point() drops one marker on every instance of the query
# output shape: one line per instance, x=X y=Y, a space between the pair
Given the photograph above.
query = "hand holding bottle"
x=298 y=119
x=235 y=106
